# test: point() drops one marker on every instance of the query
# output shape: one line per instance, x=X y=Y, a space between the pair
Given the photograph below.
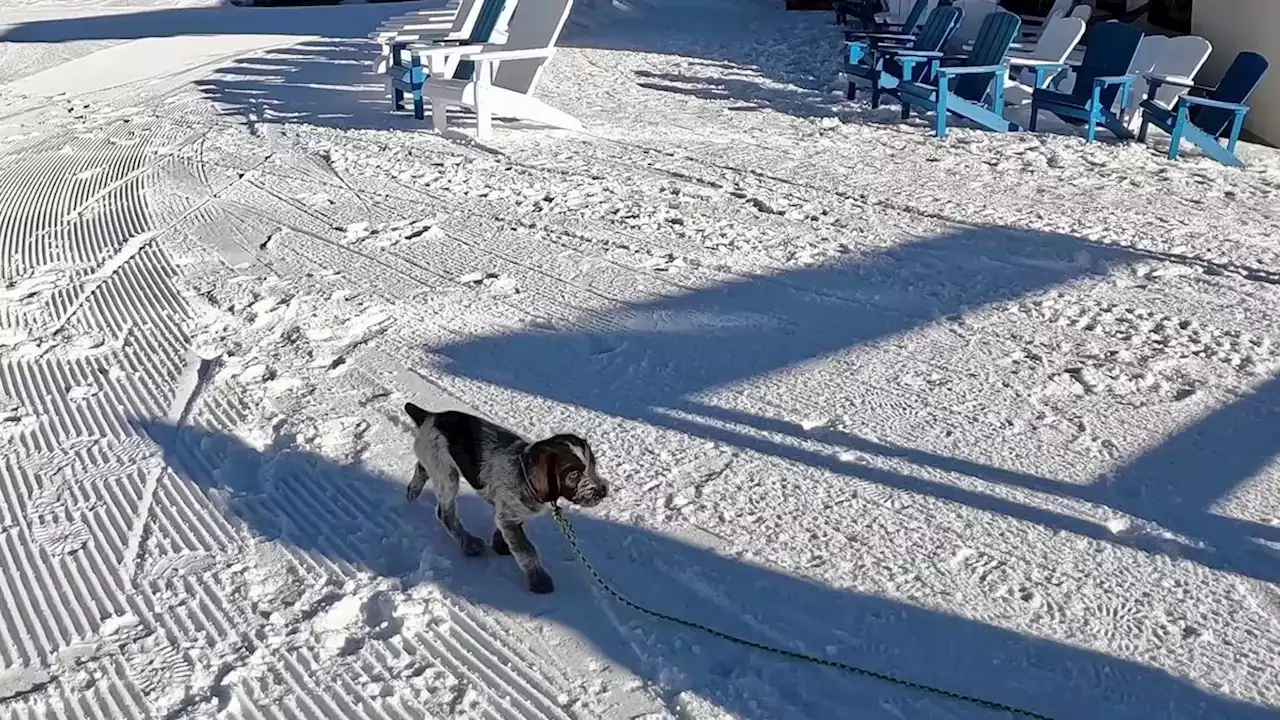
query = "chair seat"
x=1161 y=116
x=1053 y=97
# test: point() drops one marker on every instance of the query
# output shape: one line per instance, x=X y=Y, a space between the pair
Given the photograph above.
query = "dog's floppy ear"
x=416 y=414
x=542 y=468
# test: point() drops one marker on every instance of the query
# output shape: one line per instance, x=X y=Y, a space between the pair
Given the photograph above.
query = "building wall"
x=1234 y=26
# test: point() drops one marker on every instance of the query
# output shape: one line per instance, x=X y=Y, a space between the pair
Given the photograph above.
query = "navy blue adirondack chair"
x=962 y=88
x=867 y=40
x=1102 y=75
x=907 y=28
x=412 y=77
x=1204 y=120
x=883 y=71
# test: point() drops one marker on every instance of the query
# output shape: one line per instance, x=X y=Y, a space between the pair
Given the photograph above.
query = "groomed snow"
x=996 y=414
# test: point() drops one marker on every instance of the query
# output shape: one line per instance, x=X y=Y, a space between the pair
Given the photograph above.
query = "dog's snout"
x=592 y=494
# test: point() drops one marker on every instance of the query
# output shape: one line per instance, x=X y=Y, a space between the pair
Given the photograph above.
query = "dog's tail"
x=417 y=414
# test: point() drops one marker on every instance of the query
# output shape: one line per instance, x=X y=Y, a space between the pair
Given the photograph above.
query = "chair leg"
x=439 y=116
x=1175 y=137
x=416 y=80
x=1035 y=111
x=397 y=99
x=875 y=94
x=851 y=90
x=1091 y=132
x=1235 y=133
x=1175 y=141
x=940 y=120
x=1142 y=131
x=484 y=120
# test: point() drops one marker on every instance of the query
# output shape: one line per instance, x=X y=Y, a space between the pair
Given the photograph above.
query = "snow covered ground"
x=995 y=414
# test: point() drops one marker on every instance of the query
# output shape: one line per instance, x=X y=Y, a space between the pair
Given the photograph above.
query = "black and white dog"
x=520 y=479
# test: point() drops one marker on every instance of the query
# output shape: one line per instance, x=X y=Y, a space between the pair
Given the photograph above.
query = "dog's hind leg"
x=447 y=511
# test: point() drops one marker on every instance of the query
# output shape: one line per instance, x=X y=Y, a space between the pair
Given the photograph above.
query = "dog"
x=520 y=479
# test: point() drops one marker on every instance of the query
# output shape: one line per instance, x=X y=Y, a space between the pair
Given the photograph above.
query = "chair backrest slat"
x=1060 y=9
x=1059 y=38
x=534 y=24
x=913 y=17
x=938 y=28
x=1180 y=56
x=1237 y=86
x=998 y=32
x=481 y=33
x=1111 y=50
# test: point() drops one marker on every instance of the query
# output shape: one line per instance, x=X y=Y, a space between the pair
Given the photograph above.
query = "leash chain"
x=569 y=535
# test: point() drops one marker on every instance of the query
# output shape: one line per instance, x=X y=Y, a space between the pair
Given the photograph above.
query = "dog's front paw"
x=472 y=546
x=500 y=543
x=539 y=581
x=418 y=482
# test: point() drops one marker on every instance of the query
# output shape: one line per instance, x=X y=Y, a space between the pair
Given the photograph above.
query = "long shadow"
x=646 y=361
x=326 y=83
x=351 y=517
x=344 y=21
x=756 y=37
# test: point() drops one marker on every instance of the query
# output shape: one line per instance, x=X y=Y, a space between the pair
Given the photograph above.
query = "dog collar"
x=524 y=473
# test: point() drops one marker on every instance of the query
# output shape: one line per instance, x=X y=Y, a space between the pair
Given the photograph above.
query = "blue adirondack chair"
x=411 y=77
x=907 y=27
x=1102 y=75
x=1204 y=120
x=961 y=88
x=861 y=43
x=883 y=71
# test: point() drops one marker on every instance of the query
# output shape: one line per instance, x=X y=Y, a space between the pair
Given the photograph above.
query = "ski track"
x=95 y=514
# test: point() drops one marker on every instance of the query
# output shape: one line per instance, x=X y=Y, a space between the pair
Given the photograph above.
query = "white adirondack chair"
x=1061 y=36
x=505 y=74
x=1175 y=58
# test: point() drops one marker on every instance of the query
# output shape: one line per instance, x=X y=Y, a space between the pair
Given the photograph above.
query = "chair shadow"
x=325 y=83
x=353 y=518
x=719 y=336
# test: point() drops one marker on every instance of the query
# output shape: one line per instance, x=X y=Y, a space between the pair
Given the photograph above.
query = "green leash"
x=567 y=529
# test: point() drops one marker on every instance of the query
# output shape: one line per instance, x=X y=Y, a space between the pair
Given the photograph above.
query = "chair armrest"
x=427 y=52
x=498 y=55
x=908 y=52
x=1033 y=63
x=1156 y=80
x=1113 y=80
x=973 y=70
x=1235 y=107
x=1178 y=80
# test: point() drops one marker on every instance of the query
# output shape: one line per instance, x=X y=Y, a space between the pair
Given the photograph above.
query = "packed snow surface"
x=998 y=414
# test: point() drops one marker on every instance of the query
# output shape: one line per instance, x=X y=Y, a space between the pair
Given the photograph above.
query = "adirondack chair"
x=1035 y=69
x=883 y=71
x=1101 y=77
x=1174 y=57
x=864 y=11
x=486 y=23
x=1032 y=25
x=505 y=90
x=975 y=14
x=1205 y=120
x=908 y=24
x=859 y=42
x=491 y=14
x=962 y=89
